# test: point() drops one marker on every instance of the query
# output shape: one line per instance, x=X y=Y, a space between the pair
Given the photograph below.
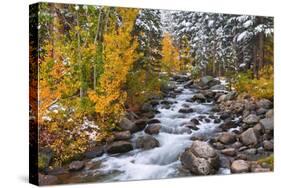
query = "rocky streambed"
x=196 y=129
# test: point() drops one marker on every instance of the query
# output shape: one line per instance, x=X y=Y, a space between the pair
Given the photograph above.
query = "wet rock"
x=186 y=110
x=152 y=121
x=268 y=145
x=119 y=147
x=147 y=142
x=207 y=120
x=188 y=84
x=139 y=125
x=191 y=126
x=199 y=97
x=200 y=159
x=206 y=80
x=249 y=137
x=152 y=129
x=251 y=119
x=57 y=171
x=221 y=98
x=225 y=115
x=76 y=165
x=96 y=151
x=121 y=135
x=47 y=179
x=239 y=166
x=154 y=102
x=219 y=145
x=250 y=151
x=265 y=103
x=229 y=151
x=166 y=88
x=148 y=115
x=228 y=124
x=217 y=120
x=195 y=121
x=166 y=102
x=227 y=138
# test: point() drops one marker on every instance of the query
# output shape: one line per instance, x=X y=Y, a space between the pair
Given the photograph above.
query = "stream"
x=159 y=162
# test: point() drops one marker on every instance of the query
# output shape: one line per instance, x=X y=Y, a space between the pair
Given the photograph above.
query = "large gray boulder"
x=249 y=137
x=251 y=119
x=76 y=165
x=200 y=159
x=147 y=142
x=126 y=124
x=199 y=97
x=119 y=147
x=240 y=166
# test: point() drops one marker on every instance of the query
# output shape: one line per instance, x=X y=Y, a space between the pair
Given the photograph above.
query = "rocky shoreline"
x=244 y=134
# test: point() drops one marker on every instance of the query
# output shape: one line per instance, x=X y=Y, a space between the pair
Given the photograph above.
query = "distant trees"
x=223 y=43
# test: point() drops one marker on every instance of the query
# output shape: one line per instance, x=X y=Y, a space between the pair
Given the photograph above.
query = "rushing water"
x=163 y=161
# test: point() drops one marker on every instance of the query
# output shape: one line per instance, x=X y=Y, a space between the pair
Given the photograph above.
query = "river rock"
x=152 y=121
x=152 y=129
x=261 y=111
x=227 y=138
x=227 y=124
x=121 y=135
x=268 y=145
x=195 y=121
x=119 y=147
x=239 y=166
x=186 y=110
x=265 y=103
x=249 y=137
x=76 y=165
x=229 y=151
x=147 y=142
x=188 y=84
x=251 y=119
x=199 y=97
x=230 y=96
x=47 y=179
x=225 y=115
x=96 y=151
x=200 y=159
x=267 y=124
x=126 y=124
x=139 y=125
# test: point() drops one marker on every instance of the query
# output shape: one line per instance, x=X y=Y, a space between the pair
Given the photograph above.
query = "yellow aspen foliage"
x=119 y=56
x=170 y=55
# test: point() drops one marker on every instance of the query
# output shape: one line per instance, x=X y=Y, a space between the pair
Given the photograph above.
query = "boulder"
x=227 y=138
x=200 y=159
x=195 y=121
x=230 y=96
x=251 y=119
x=76 y=165
x=126 y=124
x=206 y=79
x=225 y=115
x=186 y=110
x=121 y=135
x=261 y=111
x=166 y=88
x=152 y=129
x=199 y=97
x=267 y=124
x=147 y=142
x=221 y=98
x=239 y=166
x=188 y=84
x=139 y=125
x=249 y=137
x=96 y=151
x=119 y=147
x=265 y=103
x=228 y=124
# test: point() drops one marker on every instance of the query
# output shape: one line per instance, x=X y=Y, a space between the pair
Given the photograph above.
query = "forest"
x=104 y=79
